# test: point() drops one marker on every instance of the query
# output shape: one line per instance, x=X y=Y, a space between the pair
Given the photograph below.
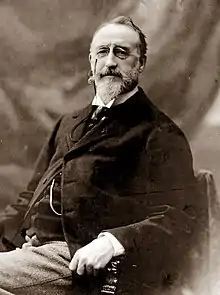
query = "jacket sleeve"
x=14 y=212
x=170 y=218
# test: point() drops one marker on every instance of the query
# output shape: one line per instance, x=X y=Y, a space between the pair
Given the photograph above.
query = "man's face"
x=115 y=60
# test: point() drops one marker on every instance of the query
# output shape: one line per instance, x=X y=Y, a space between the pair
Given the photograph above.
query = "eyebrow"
x=115 y=46
x=102 y=47
x=123 y=47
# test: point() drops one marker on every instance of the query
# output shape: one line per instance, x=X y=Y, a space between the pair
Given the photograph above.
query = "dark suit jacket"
x=131 y=175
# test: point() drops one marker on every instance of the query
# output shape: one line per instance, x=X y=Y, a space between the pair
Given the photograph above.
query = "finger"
x=35 y=242
x=27 y=238
x=96 y=272
x=26 y=245
x=80 y=268
x=74 y=263
x=89 y=269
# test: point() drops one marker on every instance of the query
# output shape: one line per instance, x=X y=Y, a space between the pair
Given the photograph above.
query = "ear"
x=143 y=60
x=91 y=63
x=90 y=57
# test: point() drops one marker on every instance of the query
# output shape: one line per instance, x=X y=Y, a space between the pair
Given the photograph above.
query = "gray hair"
x=127 y=21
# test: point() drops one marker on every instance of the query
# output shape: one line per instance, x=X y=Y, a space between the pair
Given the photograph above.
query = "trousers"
x=36 y=270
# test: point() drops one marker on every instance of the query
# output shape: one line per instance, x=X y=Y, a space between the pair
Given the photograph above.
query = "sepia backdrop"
x=44 y=64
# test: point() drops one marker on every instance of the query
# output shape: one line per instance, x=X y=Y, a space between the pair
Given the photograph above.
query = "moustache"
x=110 y=72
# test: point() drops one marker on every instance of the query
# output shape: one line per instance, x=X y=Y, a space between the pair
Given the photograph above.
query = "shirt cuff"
x=117 y=246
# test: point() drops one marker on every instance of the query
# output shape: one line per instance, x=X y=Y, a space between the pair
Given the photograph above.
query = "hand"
x=92 y=257
x=27 y=244
x=30 y=242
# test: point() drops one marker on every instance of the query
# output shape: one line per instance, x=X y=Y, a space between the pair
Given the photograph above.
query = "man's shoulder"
x=169 y=129
x=163 y=124
x=72 y=115
x=65 y=123
x=152 y=110
x=69 y=118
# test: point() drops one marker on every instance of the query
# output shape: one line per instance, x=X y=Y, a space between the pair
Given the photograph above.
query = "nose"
x=111 y=61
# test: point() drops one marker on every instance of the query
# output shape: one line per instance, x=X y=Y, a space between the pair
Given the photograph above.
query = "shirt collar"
x=118 y=100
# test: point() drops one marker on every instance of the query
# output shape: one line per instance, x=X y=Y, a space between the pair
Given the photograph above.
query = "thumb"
x=27 y=238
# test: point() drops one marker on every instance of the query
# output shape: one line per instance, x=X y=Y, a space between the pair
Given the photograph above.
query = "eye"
x=121 y=53
x=102 y=52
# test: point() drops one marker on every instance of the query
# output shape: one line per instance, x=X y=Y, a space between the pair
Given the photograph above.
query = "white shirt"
x=115 y=101
x=118 y=248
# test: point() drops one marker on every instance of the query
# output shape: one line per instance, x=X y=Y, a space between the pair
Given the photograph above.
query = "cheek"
x=128 y=64
x=99 y=65
x=94 y=63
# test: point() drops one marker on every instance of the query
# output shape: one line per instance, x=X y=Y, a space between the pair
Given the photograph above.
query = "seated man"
x=114 y=178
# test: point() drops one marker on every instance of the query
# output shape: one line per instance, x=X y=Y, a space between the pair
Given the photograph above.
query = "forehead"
x=116 y=34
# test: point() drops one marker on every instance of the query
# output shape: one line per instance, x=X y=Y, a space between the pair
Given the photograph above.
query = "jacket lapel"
x=78 y=126
x=107 y=127
x=102 y=130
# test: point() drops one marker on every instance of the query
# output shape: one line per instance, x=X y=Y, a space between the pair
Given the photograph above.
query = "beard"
x=111 y=83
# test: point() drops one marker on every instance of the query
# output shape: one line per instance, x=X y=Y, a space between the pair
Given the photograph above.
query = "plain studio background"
x=43 y=73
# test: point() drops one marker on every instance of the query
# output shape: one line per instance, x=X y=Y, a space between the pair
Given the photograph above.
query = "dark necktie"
x=98 y=115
